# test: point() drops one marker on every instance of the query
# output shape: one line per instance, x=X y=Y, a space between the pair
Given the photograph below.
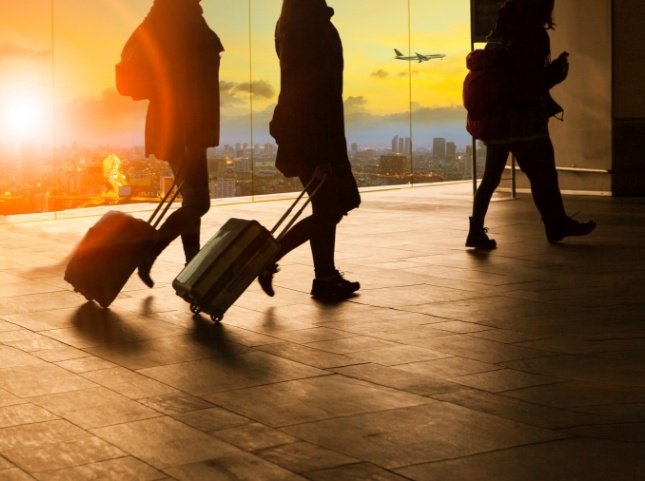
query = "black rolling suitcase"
x=110 y=251
x=230 y=261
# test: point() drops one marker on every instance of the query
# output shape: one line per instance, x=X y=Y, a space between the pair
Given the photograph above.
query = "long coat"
x=308 y=122
x=184 y=110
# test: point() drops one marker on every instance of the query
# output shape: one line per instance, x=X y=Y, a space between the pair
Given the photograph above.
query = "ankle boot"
x=147 y=260
x=478 y=238
x=558 y=229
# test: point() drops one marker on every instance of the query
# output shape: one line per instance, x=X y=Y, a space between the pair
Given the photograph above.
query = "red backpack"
x=484 y=92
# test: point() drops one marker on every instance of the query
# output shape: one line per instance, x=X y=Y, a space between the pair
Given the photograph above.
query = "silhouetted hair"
x=515 y=14
x=297 y=11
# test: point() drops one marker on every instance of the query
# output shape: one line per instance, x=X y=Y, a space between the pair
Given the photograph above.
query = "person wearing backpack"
x=519 y=123
x=182 y=54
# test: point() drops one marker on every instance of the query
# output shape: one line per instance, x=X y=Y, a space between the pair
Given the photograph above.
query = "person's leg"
x=297 y=235
x=537 y=160
x=192 y=170
x=320 y=230
x=496 y=157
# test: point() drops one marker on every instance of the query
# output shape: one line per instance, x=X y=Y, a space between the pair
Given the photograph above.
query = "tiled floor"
x=527 y=363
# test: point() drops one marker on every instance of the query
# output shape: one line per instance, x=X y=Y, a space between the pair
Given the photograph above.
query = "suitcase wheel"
x=194 y=308
x=217 y=317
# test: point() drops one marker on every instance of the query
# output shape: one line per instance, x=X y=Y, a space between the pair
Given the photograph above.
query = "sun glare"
x=22 y=116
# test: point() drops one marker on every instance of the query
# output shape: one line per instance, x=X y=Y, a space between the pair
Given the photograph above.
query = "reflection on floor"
x=526 y=363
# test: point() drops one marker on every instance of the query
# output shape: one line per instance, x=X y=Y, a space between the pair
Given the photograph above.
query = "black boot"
x=333 y=288
x=556 y=230
x=478 y=238
x=266 y=279
x=147 y=260
x=145 y=266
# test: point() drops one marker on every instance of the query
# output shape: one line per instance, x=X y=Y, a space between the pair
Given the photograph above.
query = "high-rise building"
x=395 y=144
x=451 y=151
x=407 y=146
x=439 y=148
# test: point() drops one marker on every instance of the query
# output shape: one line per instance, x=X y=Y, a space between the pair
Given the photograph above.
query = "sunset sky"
x=69 y=48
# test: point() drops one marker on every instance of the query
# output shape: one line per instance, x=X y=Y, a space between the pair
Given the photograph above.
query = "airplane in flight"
x=418 y=56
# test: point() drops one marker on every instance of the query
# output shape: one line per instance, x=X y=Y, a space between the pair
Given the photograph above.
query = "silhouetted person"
x=183 y=117
x=308 y=125
x=521 y=31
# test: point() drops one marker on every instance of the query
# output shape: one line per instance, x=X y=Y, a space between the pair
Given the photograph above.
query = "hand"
x=563 y=59
x=322 y=171
x=559 y=68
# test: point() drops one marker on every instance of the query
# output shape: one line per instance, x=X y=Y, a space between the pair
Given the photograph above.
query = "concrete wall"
x=629 y=97
x=584 y=139
x=599 y=146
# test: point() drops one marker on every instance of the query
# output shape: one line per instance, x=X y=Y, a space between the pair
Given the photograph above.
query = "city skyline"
x=41 y=47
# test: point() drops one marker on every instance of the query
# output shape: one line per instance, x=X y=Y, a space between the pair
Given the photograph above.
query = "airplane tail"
x=398 y=54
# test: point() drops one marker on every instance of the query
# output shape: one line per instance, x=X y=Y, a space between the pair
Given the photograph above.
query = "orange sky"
x=88 y=36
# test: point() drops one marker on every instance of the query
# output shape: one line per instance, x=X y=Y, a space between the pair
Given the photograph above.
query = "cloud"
x=236 y=93
x=10 y=50
x=355 y=105
x=103 y=120
x=382 y=74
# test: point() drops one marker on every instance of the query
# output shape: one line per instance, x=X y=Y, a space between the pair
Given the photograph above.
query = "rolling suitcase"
x=110 y=251
x=229 y=262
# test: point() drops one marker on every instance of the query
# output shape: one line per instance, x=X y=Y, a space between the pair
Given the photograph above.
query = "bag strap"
x=167 y=203
x=293 y=205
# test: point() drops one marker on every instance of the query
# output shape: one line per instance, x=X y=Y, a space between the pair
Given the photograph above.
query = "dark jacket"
x=308 y=123
x=185 y=108
x=531 y=74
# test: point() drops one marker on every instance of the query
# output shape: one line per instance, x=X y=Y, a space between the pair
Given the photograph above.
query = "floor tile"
x=164 y=442
x=40 y=379
x=120 y=469
x=504 y=380
x=304 y=457
x=353 y=472
x=588 y=459
x=19 y=414
x=63 y=455
x=43 y=433
x=243 y=467
x=428 y=432
x=294 y=402
x=232 y=372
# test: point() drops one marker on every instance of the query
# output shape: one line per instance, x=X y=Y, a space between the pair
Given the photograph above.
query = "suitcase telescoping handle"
x=293 y=205
x=165 y=203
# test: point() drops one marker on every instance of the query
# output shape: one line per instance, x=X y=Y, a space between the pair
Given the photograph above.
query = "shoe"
x=558 y=230
x=478 y=237
x=144 y=268
x=266 y=279
x=335 y=289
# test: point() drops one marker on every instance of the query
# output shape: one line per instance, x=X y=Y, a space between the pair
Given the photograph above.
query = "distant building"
x=451 y=151
x=223 y=187
x=393 y=164
x=439 y=148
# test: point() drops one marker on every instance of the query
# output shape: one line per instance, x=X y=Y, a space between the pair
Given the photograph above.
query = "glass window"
x=69 y=140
